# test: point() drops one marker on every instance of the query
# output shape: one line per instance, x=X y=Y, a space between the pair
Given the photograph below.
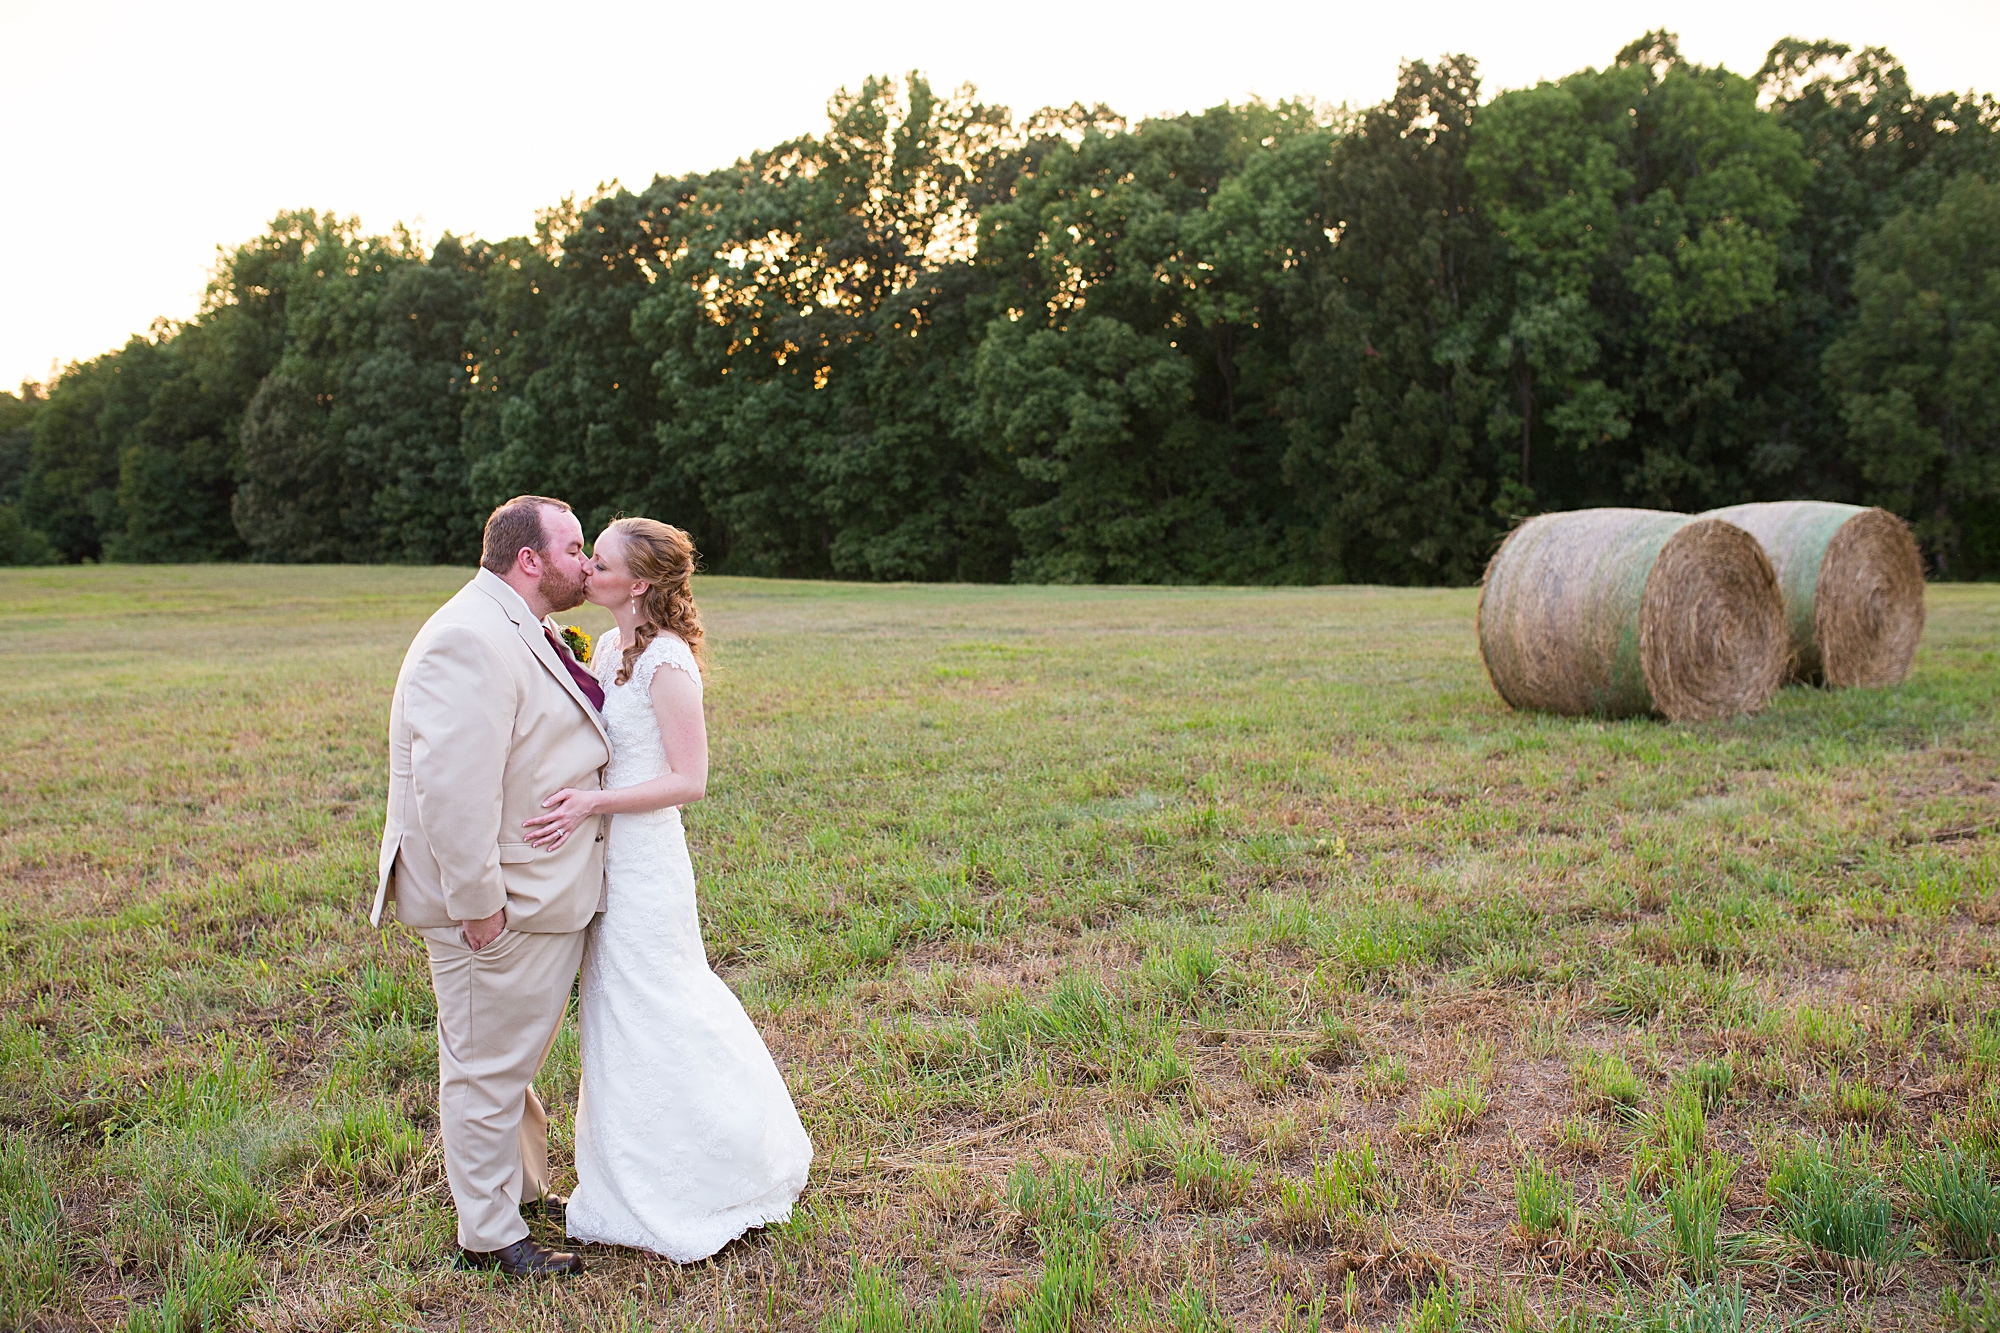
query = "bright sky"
x=138 y=137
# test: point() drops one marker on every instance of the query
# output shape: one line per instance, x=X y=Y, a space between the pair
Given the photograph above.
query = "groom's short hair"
x=513 y=525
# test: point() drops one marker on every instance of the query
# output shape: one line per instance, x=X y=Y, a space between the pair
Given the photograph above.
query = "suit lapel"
x=535 y=636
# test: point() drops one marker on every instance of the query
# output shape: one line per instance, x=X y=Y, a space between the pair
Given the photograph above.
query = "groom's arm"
x=459 y=702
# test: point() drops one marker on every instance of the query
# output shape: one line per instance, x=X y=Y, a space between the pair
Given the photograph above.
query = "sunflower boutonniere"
x=577 y=642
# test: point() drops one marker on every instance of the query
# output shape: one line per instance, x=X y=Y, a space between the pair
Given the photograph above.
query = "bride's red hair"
x=664 y=557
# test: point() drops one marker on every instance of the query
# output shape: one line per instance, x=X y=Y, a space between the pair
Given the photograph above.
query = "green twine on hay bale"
x=1853 y=583
x=1619 y=612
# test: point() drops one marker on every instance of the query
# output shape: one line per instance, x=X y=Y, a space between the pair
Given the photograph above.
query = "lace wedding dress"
x=685 y=1134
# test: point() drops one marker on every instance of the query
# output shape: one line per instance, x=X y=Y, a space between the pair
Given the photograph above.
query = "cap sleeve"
x=668 y=650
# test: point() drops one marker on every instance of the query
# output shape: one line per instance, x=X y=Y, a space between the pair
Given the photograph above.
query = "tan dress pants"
x=498 y=1012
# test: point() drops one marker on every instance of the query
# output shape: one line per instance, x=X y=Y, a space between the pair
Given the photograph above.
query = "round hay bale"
x=1853 y=583
x=1626 y=611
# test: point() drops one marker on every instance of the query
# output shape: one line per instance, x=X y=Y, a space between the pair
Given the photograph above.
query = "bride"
x=685 y=1134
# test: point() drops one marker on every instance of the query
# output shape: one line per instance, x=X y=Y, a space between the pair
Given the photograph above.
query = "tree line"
x=1270 y=342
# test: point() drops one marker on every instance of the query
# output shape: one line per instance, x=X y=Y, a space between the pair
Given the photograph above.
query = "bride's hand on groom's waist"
x=565 y=813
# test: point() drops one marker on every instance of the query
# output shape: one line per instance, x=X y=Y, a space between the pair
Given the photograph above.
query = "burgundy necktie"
x=584 y=680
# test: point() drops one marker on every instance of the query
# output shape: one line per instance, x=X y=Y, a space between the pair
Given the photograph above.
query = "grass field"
x=1171 y=959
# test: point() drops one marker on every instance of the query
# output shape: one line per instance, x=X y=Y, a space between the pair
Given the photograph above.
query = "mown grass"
x=1176 y=959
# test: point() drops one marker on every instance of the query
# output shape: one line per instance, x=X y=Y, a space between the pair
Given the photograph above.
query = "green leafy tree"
x=405 y=388
x=773 y=356
x=21 y=543
x=1137 y=369
x=177 y=463
x=1643 y=208
x=559 y=401
x=307 y=493
x=823 y=319
x=1918 y=374
x=17 y=436
x=72 y=479
x=351 y=443
x=1876 y=147
x=135 y=452
x=1389 y=443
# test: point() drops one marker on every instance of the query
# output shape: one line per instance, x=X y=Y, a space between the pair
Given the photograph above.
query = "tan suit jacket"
x=486 y=724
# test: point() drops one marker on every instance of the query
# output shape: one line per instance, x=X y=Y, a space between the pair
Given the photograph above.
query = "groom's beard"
x=562 y=594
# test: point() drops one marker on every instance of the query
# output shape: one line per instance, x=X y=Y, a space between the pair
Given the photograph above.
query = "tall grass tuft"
x=31 y=1234
x=1444 y=1112
x=1066 y=1210
x=1189 y=1310
x=1548 y=1032
x=1711 y=1080
x=876 y=1304
x=1980 y=1131
x=1073 y=1273
x=387 y=1057
x=1442 y=1310
x=1079 y=1018
x=1272 y=1073
x=215 y=1183
x=1832 y=1203
x=1962 y=1314
x=1704 y=1308
x=1674 y=1135
x=1955 y=1194
x=1607 y=1082
x=1980 y=1042
x=368 y=1144
x=1624 y=1217
x=1384 y=1075
x=1147 y=1147
x=1857 y=1100
x=1182 y=976
x=1341 y=1192
x=1208 y=1177
x=380 y=996
x=1582 y=1138
x=1067 y=1195
x=1165 y=1069
x=1544 y=1202
x=210 y=1098
x=1694 y=1199
x=206 y=1285
x=219 y=1190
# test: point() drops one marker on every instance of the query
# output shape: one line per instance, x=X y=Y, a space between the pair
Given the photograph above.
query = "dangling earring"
x=635 y=606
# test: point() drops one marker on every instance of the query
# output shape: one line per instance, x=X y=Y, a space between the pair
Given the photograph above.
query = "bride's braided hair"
x=664 y=557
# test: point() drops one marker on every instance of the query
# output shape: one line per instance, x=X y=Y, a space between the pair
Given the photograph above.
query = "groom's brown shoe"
x=552 y=1206
x=526 y=1257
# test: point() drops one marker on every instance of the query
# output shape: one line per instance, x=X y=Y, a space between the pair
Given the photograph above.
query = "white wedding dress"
x=685 y=1134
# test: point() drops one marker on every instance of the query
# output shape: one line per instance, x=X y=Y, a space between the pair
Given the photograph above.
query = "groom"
x=490 y=716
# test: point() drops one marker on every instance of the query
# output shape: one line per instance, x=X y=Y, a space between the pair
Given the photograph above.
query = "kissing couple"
x=534 y=826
